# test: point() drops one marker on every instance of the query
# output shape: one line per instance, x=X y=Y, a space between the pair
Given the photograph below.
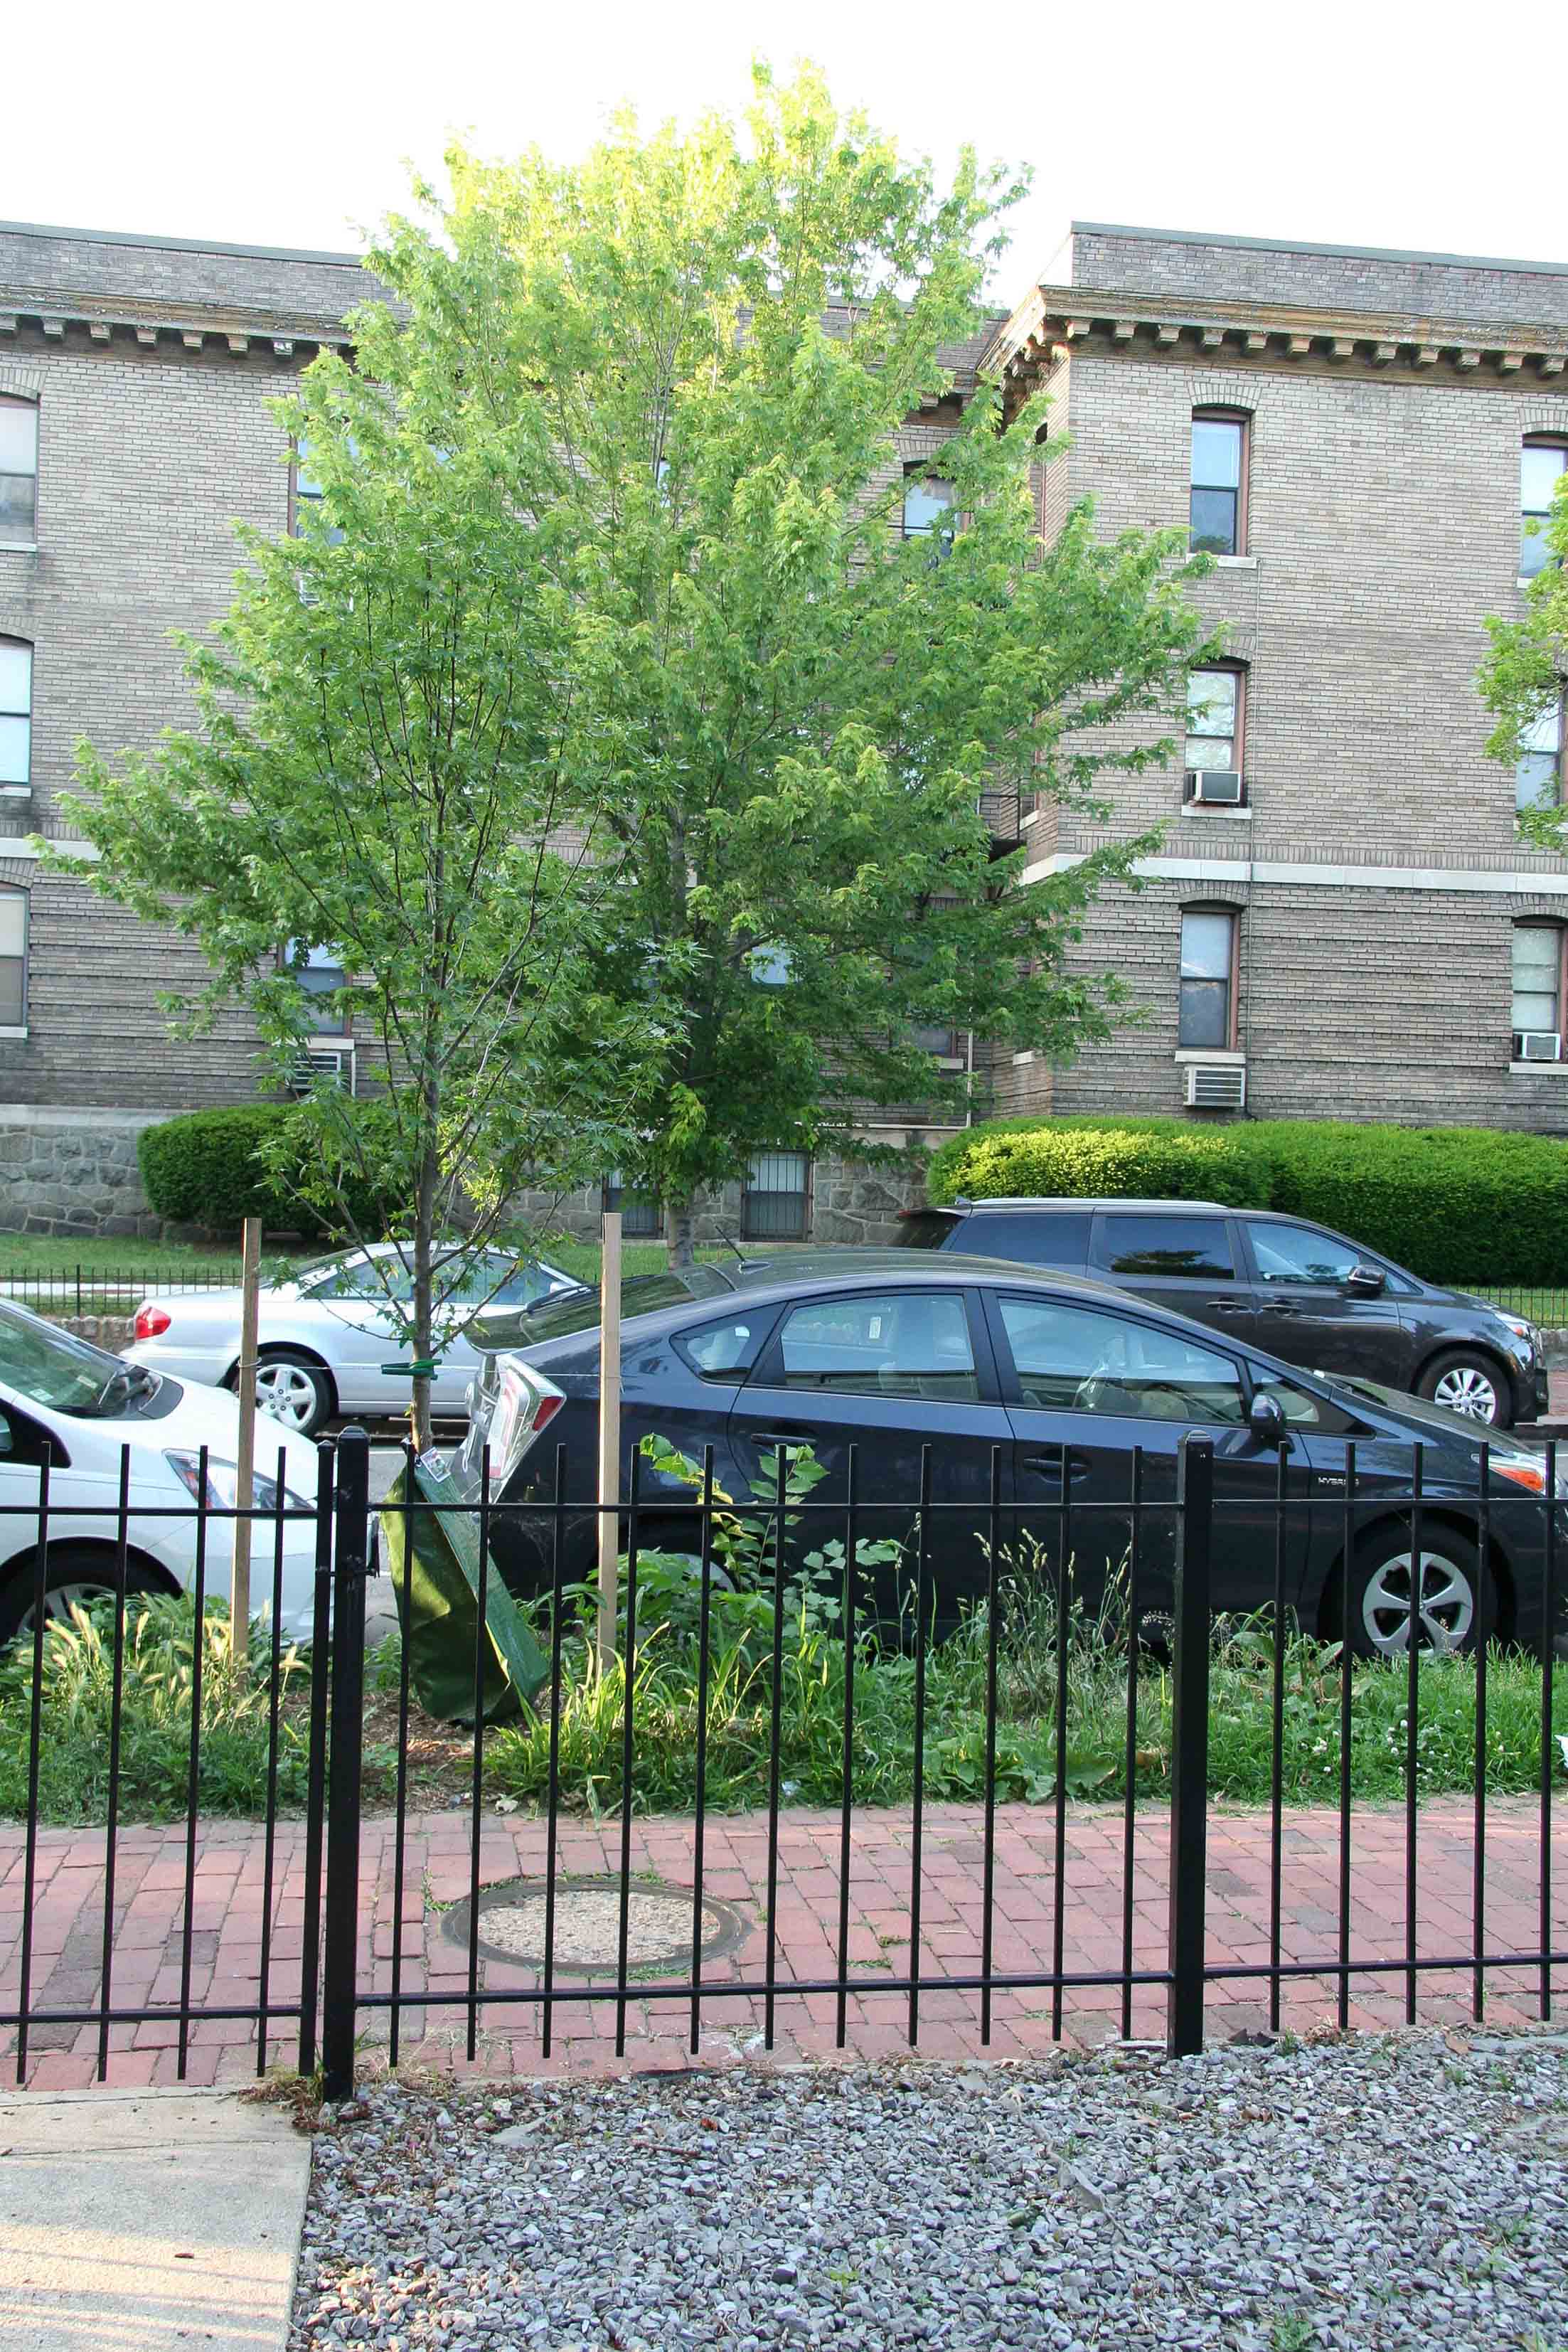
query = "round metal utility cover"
x=587 y=1927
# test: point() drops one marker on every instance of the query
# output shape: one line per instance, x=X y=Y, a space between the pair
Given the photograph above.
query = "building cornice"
x=234 y=328
x=1053 y=322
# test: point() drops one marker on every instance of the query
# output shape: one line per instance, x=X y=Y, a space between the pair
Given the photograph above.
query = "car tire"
x=1469 y=1382
x=71 y=1574
x=291 y=1388
x=1458 y=1607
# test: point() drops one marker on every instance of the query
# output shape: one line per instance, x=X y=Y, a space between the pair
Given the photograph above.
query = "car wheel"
x=1454 y=1612
x=71 y=1579
x=1474 y=1386
x=294 y=1390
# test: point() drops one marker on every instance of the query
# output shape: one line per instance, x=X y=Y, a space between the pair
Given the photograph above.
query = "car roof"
x=1088 y=1200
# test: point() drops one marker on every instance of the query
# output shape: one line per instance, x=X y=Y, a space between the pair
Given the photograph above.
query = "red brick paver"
x=68 y=1930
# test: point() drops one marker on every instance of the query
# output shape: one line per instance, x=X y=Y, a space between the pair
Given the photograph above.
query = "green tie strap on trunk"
x=438 y=1604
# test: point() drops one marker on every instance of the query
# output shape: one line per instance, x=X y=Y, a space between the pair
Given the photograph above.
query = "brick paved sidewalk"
x=227 y=1920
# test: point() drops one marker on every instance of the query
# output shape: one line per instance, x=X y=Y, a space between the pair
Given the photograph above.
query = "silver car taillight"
x=526 y=1403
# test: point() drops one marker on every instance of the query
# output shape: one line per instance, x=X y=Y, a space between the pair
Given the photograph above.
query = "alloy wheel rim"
x=1465 y=1390
x=58 y=1603
x=287 y=1392
x=1445 y=1604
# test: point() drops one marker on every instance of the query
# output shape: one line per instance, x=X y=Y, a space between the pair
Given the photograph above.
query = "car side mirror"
x=1365 y=1281
x=1267 y=1420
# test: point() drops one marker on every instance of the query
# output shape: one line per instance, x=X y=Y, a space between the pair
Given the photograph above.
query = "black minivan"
x=1270 y=1281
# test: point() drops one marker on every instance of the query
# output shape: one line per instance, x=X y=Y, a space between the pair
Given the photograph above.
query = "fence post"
x=1190 y=1746
x=341 y=1955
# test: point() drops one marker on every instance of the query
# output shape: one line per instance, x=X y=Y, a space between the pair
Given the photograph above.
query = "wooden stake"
x=245 y=1478
x=609 y=1433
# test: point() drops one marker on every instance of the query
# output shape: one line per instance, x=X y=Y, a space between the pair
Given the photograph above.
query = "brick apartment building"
x=1342 y=920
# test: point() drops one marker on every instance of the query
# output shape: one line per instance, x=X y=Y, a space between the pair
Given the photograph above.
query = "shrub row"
x=203 y=1168
x=1458 y=1204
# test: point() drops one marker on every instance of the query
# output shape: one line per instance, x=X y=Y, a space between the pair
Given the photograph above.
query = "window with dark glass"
x=1298 y=1253
x=1080 y=1359
x=1537 y=983
x=725 y=1351
x=947 y=1045
x=18 y=471
x=1213 y=719
x=903 y=1346
x=1207 y=1015
x=1172 y=1247
x=12 y=958
x=1051 y=1237
x=1540 y=466
x=1217 y=509
x=927 y=505
x=773 y=1198
x=320 y=974
x=15 y=714
x=1537 y=770
x=641 y=1217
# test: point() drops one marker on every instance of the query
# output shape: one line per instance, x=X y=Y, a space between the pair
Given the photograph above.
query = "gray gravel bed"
x=1402 y=2190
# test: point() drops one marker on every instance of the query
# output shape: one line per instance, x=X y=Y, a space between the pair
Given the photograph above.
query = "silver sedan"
x=327 y=1340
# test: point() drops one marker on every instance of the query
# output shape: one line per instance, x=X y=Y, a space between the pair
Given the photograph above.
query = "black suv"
x=1274 y=1282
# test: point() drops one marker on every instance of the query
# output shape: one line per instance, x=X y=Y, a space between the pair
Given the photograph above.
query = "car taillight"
x=527 y=1401
x=151 y=1322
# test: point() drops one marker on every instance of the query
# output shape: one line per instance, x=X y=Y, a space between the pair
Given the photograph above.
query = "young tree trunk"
x=424 y=1250
x=680 y=1225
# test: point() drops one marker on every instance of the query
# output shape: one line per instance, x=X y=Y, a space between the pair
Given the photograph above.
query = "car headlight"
x=222 y=1486
x=1522 y=1330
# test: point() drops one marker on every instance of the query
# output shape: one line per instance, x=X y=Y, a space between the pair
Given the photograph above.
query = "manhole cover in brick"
x=587 y=1926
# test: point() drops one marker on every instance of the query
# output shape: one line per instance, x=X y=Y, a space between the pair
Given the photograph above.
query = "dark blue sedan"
x=1067 y=1377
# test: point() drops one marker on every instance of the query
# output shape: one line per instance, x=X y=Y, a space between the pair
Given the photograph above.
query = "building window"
x=1538 y=772
x=19 y=472
x=15 y=715
x=1217 y=513
x=773 y=1197
x=307 y=499
x=1214 y=714
x=321 y=977
x=12 y=958
x=1208 y=1014
x=927 y=505
x=1537 y=1016
x=946 y=1045
x=1540 y=465
x=642 y=1219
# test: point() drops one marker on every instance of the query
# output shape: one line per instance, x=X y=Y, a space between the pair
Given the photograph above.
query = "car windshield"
x=40 y=1361
x=571 y=1311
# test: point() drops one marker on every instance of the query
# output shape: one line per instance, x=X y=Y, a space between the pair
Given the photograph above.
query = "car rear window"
x=1173 y=1247
x=1046 y=1237
x=571 y=1311
x=925 y=1228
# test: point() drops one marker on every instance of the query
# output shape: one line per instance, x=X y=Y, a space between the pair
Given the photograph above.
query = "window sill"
x=18 y=547
x=1233 y=562
x=1032 y=818
x=1211 y=1054
x=1538 y=1069
x=1206 y=809
x=1020 y=1059
x=15 y=791
x=13 y=1032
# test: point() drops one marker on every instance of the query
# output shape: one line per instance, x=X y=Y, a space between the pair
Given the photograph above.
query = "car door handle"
x=1289 y=1314
x=1049 y=1466
x=1225 y=1306
x=800 y=1435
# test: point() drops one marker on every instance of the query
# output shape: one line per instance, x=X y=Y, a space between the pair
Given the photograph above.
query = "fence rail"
x=326 y=1953
x=107 y=1289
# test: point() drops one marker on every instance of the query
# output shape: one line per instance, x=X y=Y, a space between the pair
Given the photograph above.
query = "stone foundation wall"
x=73 y=1171
x=847 y=1202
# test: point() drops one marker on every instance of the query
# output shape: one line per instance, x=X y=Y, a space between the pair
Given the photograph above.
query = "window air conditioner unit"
x=333 y=1062
x=1215 y=787
x=1216 y=1086
x=1537 y=1045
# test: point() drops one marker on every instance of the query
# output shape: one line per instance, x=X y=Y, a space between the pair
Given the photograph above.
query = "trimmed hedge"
x=201 y=1169
x=1456 y=1204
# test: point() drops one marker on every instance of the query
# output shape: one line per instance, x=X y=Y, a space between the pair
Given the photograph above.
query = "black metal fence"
x=111 y=1289
x=311 y=2001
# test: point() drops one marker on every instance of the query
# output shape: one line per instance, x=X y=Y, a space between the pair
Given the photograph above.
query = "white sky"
x=1376 y=124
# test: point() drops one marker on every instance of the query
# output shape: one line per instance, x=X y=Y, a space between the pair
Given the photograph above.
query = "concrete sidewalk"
x=146 y=2221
